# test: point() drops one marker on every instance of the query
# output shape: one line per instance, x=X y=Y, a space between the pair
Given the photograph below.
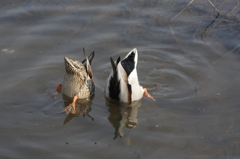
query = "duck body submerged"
x=122 y=83
x=77 y=80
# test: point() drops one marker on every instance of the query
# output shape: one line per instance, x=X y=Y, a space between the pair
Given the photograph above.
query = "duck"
x=78 y=82
x=122 y=83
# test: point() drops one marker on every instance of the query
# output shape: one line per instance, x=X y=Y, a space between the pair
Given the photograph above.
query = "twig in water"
x=208 y=26
x=172 y=33
x=176 y=39
x=225 y=55
x=181 y=10
x=213 y=6
x=233 y=9
x=212 y=21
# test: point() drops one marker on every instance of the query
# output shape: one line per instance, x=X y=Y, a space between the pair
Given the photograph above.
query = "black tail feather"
x=114 y=83
x=90 y=57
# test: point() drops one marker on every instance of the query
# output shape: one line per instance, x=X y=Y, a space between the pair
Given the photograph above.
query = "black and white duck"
x=122 y=83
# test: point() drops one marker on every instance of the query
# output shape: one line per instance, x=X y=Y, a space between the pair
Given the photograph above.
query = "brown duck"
x=78 y=81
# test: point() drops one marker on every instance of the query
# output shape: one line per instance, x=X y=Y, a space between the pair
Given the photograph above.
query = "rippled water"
x=194 y=77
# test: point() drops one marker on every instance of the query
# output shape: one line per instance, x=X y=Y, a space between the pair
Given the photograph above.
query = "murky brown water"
x=195 y=80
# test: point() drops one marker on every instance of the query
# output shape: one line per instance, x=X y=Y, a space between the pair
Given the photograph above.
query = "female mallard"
x=78 y=80
x=122 y=83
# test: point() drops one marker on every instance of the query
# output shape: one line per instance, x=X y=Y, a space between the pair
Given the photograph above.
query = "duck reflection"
x=122 y=116
x=83 y=107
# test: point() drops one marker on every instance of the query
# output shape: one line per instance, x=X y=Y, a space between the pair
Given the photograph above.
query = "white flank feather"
x=137 y=90
x=122 y=76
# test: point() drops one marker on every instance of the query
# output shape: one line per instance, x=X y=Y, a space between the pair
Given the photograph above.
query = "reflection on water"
x=122 y=116
x=83 y=107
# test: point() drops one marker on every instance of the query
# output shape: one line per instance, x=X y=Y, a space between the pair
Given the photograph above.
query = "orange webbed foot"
x=58 y=88
x=71 y=108
x=147 y=94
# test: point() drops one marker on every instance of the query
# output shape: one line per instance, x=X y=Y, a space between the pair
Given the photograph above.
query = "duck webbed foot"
x=58 y=88
x=71 y=107
x=147 y=94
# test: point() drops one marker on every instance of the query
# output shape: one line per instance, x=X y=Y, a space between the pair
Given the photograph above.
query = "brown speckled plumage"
x=78 y=79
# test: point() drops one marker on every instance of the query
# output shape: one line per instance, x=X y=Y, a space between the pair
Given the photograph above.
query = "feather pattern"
x=122 y=83
x=78 y=78
x=114 y=82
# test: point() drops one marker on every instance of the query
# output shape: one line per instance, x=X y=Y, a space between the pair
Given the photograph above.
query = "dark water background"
x=194 y=77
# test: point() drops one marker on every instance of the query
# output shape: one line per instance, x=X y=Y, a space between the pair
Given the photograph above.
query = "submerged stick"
x=209 y=26
x=182 y=10
x=172 y=31
x=213 y=6
x=225 y=55
x=212 y=21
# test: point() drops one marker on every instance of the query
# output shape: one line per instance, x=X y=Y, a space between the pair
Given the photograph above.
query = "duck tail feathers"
x=114 y=65
x=88 y=65
x=90 y=57
x=114 y=83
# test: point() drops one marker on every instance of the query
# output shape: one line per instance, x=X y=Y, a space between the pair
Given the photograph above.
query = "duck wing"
x=128 y=63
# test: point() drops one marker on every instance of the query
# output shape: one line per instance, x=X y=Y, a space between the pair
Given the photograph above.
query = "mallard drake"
x=122 y=83
x=78 y=80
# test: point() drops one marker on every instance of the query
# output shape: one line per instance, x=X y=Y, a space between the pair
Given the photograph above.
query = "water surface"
x=194 y=77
